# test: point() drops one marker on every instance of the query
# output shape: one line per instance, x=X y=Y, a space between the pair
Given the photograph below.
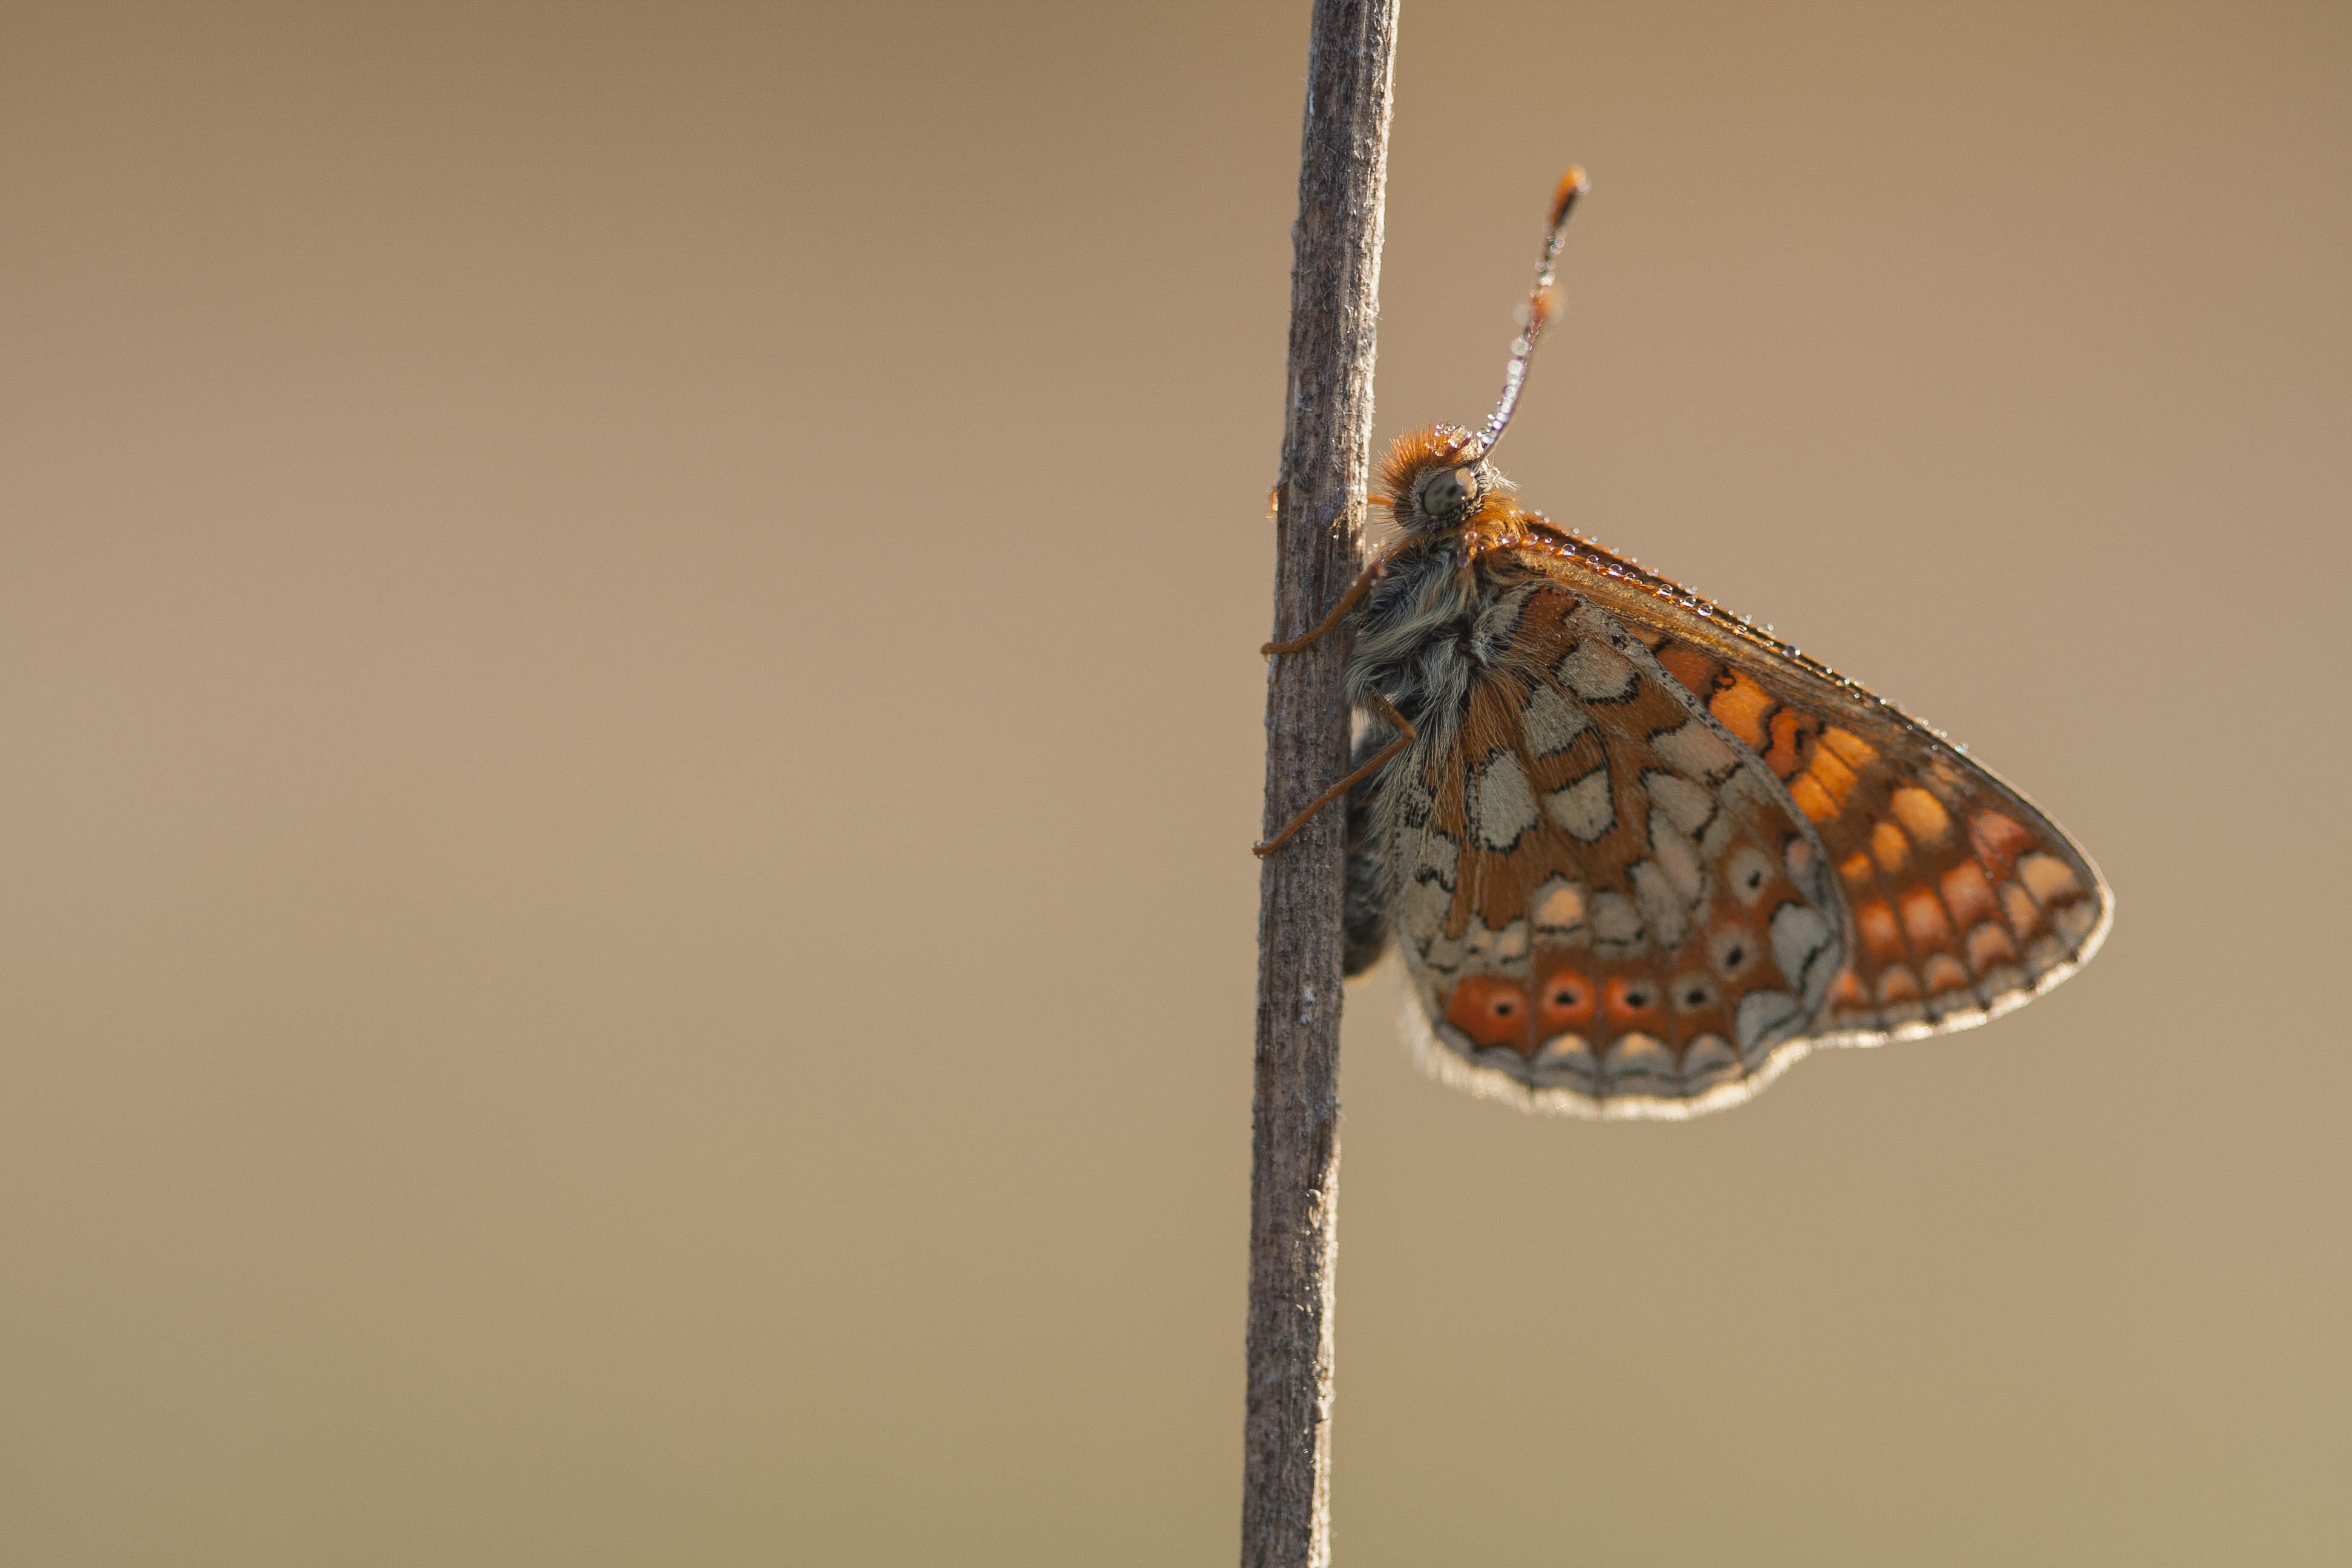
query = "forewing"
x=1606 y=904
x=1966 y=899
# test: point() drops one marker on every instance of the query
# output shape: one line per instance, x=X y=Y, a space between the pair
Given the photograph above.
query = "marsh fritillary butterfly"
x=1639 y=854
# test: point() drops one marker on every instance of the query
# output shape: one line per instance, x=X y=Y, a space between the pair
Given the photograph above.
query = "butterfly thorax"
x=1440 y=615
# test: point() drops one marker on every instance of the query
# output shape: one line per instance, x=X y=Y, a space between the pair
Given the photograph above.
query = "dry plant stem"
x=1318 y=534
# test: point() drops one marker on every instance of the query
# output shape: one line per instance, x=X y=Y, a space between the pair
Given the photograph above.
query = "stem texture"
x=1318 y=531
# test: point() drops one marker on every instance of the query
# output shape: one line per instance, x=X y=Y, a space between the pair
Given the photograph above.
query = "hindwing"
x=1605 y=902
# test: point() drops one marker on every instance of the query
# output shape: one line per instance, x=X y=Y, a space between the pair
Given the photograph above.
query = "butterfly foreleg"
x=1347 y=601
x=1405 y=735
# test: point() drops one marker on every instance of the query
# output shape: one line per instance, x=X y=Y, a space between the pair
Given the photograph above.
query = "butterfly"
x=1638 y=855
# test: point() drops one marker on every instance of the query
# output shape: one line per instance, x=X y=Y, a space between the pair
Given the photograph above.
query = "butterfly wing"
x=1607 y=905
x=1966 y=900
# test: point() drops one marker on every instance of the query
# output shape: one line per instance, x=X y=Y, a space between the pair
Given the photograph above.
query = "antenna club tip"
x=1573 y=184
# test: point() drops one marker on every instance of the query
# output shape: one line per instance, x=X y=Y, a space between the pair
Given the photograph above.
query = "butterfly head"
x=1434 y=479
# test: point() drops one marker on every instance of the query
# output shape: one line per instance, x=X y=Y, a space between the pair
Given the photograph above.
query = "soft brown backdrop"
x=628 y=730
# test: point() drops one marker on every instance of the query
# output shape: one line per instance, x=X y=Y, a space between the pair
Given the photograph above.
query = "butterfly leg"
x=1347 y=601
x=1404 y=737
x=1330 y=623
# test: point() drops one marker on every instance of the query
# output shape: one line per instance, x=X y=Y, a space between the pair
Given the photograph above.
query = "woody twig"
x=1319 y=534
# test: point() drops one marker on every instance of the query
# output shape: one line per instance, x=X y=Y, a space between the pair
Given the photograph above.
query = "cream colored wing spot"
x=1503 y=806
x=1661 y=906
x=1427 y=863
x=1805 y=948
x=1798 y=857
x=1635 y=1057
x=2044 y=953
x=1498 y=951
x=1439 y=954
x=1558 y=908
x=2000 y=979
x=1898 y=997
x=1944 y=973
x=1923 y=920
x=1875 y=926
x=2046 y=877
x=1596 y=672
x=1698 y=751
x=1585 y=809
x=1706 y=1059
x=1553 y=722
x=1749 y=873
x=1688 y=805
x=1968 y=894
x=1616 y=923
x=1761 y=1013
x=2076 y=920
x=1570 y=1051
x=1989 y=946
x=1677 y=858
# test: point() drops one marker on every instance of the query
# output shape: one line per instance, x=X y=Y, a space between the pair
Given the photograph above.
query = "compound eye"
x=1449 y=494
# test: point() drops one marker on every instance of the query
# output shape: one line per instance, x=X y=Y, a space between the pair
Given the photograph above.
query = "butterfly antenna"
x=1543 y=308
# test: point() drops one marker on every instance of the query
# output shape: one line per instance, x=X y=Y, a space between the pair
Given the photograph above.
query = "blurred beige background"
x=631 y=729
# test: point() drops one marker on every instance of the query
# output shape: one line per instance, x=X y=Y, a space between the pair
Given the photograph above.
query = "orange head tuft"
x=1433 y=479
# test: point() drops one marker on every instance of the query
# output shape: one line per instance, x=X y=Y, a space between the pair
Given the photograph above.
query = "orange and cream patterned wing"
x=1966 y=900
x=1606 y=904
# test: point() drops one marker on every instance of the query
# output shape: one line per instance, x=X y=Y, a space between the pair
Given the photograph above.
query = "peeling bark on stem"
x=1318 y=531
